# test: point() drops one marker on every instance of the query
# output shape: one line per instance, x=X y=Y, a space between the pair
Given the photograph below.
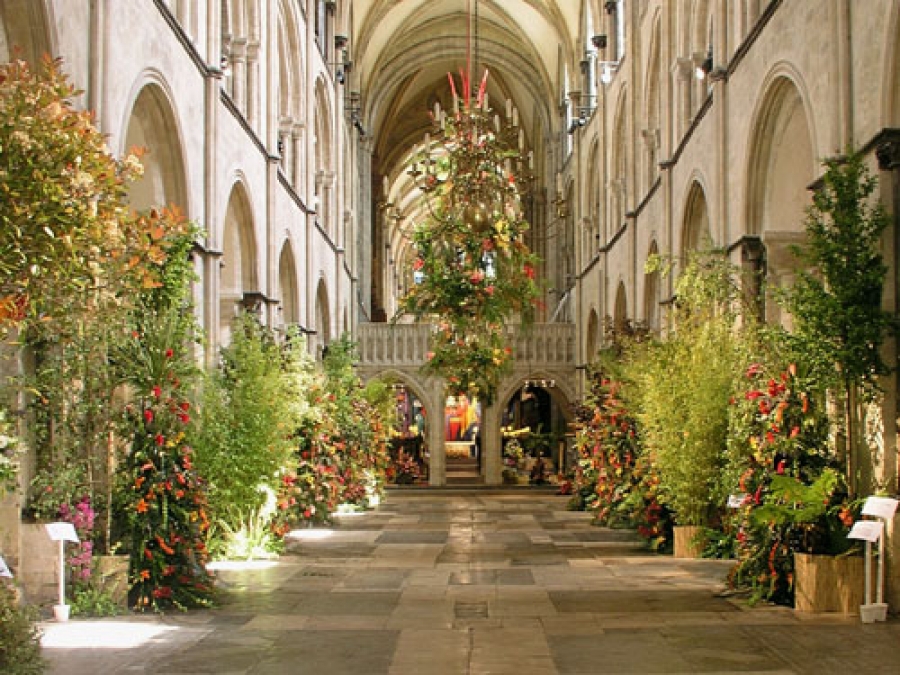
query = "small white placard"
x=880 y=507
x=736 y=501
x=62 y=532
x=866 y=530
x=4 y=570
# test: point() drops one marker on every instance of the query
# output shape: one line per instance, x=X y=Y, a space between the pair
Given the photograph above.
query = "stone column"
x=296 y=141
x=252 y=109
x=683 y=71
x=437 y=463
x=491 y=454
x=239 y=74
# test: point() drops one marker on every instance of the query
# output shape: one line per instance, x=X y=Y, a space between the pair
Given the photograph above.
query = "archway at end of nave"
x=536 y=434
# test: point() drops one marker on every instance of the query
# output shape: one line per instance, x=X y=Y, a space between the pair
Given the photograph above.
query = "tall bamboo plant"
x=680 y=386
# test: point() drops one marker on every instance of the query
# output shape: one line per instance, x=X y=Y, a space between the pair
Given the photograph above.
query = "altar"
x=459 y=449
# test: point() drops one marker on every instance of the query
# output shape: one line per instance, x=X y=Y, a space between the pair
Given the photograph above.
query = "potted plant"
x=811 y=521
x=794 y=513
x=679 y=388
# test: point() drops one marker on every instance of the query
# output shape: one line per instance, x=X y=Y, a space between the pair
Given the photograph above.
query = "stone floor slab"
x=471 y=583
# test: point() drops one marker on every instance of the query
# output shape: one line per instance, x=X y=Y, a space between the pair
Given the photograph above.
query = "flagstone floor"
x=474 y=582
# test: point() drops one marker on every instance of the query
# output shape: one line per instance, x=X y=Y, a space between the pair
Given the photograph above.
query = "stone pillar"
x=683 y=71
x=296 y=141
x=437 y=463
x=491 y=451
x=252 y=109
x=239 y=74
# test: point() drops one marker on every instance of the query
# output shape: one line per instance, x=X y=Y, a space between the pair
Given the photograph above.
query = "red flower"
x=184 y=405
x=418 y=264
x=529 y=271
x=156 y=391
x=160 y=440
x=148 y=416
x=169 y=353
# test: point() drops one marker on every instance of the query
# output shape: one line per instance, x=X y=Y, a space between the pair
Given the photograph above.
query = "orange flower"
x=141 y=507
x=145 y=574
x=164 y=546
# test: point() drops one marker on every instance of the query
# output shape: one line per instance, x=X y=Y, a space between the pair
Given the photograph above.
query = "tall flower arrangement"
x=791 y=497
x=166 y=504
x=607 y=443
x=164 y=499
x=472 y=271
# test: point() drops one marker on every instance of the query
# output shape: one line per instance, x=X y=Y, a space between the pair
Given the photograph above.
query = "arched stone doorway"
x=782 y=166
x=239 y=277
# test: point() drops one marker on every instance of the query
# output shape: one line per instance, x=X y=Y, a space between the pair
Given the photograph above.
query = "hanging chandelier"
x=472 y=271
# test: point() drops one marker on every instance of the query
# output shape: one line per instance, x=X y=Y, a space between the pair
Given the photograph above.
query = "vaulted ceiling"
x=404 y=49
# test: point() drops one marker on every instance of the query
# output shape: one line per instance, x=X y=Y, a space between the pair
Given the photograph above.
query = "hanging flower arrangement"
x=471 y=267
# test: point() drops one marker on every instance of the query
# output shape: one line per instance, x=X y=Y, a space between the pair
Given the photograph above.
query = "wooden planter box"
x=825 y=583
x=684 y=540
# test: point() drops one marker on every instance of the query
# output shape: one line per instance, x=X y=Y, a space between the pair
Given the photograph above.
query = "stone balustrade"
x=384 y=345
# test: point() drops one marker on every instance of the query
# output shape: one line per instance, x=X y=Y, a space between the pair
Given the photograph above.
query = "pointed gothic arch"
x=782 y=164
x=652 y=293
x=323 y=319
x=153 y=126
x=620 y=313
x=593 y=336
x=695 y=231
x=288 y=288
x=239 y=274
x=324 y=155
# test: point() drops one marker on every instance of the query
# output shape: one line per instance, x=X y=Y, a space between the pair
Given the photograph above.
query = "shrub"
x=20 y=638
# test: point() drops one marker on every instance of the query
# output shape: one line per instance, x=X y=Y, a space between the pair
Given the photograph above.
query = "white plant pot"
x=61 y=612
x=877 y=611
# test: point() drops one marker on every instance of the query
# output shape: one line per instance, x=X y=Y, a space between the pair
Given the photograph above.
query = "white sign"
x=880 y=507
x=62 y=532
x=4 y=570
x=736 y=501
x=866 y=530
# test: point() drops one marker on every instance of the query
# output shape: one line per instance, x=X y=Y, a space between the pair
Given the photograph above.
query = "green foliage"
x=9 y=465
x=835 y=301
x=20 y=638
x=90 y=601
x=253 y=538
x=250 y=410
x=54 y=486
x=680 y=387
x=69 y=244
